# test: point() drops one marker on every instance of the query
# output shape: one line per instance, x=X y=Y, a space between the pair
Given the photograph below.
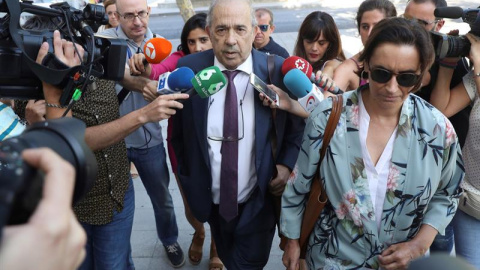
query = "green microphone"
x=208 y=81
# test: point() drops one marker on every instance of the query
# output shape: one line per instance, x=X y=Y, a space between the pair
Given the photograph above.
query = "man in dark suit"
x=223 y=147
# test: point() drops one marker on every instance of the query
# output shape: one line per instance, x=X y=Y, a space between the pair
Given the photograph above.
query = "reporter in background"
x=320 y=44
x=52 y=239
x=466 y=223
x=193 y=39
x=111 y=10
x=422 y=11
x=370 y=12
x=106 y=213
x=145 y=147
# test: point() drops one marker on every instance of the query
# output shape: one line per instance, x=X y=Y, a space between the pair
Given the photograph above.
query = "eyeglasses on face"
x=132 y=16
x=423 y=23
x=405 y=79
x=263 y=27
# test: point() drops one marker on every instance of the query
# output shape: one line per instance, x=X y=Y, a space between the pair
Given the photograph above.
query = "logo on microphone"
x=300 y=64
x=149 y=50
x=310 y=104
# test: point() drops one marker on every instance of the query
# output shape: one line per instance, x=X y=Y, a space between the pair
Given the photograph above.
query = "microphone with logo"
x=204 y=84
x=309 y=96
x=156 y=50
x=175 y=81
x=295 y=62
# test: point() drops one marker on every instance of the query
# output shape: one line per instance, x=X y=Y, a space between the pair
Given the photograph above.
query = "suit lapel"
x=200 y=111
x=262 y=113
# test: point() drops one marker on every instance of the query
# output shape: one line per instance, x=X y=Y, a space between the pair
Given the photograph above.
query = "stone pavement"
x=148 y=252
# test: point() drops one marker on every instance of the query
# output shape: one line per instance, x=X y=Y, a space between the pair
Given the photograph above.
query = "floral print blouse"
x=423 y=185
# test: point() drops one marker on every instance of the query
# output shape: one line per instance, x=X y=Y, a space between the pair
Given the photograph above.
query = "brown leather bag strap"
x=318 y=198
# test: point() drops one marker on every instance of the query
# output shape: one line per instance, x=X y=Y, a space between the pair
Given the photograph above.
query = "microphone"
x=309 y=96
x=208 y=82
x=175 y=81
x=157 y=49
x=295 y=62
x=448 y=12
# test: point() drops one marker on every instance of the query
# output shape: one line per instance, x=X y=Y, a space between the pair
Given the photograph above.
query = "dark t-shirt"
x=459 y=120
x=274 y=48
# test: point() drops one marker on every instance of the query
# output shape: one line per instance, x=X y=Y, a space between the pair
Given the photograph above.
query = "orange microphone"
x=157 y=49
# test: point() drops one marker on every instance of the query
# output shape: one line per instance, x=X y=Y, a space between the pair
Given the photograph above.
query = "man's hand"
x=35 y=111
x=52 y=239
x=150 y=91
x=63 y=50
x=163 y=107
x=291 y=255
x=137 y=66
x=277 y=184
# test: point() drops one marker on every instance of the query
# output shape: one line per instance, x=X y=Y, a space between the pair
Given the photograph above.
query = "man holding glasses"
x=145 y=145
x=263 y=41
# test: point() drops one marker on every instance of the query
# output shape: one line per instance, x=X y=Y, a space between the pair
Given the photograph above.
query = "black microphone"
x=448 y=12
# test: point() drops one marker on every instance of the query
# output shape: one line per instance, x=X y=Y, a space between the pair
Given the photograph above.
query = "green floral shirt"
x=422 y=188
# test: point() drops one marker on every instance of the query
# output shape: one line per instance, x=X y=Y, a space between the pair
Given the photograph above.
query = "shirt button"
x=109 y=176
x=106 y=155
x=96 y=116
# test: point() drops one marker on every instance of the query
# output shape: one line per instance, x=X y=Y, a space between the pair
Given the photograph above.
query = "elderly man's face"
x=231 y=33
x=133 y=17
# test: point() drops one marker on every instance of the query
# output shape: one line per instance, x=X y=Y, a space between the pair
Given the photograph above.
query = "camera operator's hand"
x=474 y=50
x=63 y=50
x=137 y=65
x=35 y=111
x=52 y=239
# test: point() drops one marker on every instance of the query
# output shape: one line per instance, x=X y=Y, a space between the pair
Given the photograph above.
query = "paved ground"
x=148 y=252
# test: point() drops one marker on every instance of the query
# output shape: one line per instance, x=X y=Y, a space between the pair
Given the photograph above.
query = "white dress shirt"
x=377 y=174
x=247 y=175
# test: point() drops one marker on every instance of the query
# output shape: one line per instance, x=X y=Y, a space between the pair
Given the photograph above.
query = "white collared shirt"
x=377 y=175
x=247 y=176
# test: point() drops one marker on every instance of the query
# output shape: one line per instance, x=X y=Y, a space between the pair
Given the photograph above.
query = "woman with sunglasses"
x=466 y=222
x=370 y=12
x=392 y=168
x=193 y=39
x=320 y=44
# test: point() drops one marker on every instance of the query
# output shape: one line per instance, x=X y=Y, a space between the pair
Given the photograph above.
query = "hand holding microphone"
x=323 y=81
x=154 y=51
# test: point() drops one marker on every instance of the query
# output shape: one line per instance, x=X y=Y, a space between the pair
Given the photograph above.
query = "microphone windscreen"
x=209 y=81
x=297 y=83
x=448 y=12
x=295 y=62
x=180 y=79
x=157 y=49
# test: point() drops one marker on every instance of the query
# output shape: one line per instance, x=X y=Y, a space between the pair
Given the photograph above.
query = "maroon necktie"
x=228 y=207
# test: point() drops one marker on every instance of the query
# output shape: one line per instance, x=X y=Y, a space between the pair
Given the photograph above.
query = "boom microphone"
x=295 y=62
x=156 y=50
x=175 y=81
x=309 y=96
x=448 y=12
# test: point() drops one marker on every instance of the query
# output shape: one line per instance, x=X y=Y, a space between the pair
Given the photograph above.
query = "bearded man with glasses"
x=263 y=41
x=145 y=146
x=422 y=11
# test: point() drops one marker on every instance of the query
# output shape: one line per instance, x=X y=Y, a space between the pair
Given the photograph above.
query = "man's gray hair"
x=216 y=2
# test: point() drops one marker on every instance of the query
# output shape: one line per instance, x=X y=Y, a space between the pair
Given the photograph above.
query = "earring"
x=364 y=75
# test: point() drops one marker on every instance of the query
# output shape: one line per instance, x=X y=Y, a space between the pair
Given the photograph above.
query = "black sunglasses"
x=405 y=79
x=263 y=27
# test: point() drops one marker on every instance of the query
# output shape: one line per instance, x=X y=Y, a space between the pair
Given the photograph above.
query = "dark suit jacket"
x=189 y=140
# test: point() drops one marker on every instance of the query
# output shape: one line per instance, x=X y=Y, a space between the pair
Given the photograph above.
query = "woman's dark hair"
x=399 y=31
x=314 y=25
x=384 y=6
x=196 y=21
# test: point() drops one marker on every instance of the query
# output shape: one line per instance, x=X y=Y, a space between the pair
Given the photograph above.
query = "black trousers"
x=240 y=251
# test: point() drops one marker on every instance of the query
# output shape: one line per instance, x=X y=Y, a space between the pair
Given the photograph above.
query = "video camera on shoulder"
x=21 y=77
x=455 y=46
